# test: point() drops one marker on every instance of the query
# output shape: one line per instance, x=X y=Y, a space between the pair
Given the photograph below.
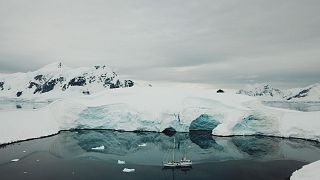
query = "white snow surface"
x=307 y=172
x=128 y=170
x=121 y=162
x=155 y=109
x=98 y=148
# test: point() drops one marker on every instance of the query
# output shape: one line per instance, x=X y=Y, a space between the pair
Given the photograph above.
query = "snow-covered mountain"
x=262 y=90
x=58 y=79
x=309 y=93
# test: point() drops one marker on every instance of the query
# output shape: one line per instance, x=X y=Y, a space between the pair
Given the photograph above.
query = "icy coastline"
x=155 y=109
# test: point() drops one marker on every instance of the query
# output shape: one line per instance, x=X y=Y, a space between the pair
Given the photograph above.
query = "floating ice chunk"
x=127 y=170
x=24 y=151
x=15 y=160
x=307 y=172
x=121 y=162
x=142 y=145
x=98 y=148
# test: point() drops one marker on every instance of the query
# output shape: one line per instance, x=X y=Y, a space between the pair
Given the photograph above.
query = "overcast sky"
x=223 y=43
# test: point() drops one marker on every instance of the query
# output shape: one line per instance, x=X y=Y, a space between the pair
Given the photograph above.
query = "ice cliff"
x=156 y=109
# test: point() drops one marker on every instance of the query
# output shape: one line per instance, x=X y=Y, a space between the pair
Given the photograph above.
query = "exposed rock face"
x=56 y=77
x=19 y=93
x=1 y=85
x=301 y=94
x=77 y=81
x=220 y=91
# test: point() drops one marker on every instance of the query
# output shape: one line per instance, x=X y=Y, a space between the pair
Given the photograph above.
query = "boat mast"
x=185 y=154
x=174 y=146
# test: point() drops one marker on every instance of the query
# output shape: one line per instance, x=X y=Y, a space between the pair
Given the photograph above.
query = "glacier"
x=156 y=109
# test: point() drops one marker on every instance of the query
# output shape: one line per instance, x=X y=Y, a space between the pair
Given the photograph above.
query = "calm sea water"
x=74 y=155
x=297 y=106
x=17 y=103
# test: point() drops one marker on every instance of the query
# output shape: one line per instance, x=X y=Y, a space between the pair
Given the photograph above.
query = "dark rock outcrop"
x=1 y=85
x=78 y=81
x=19 y=93
x=301 y=94
x=220 y=91
x=86 y=92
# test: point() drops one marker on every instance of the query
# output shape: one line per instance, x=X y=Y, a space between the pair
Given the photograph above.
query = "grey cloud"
x=205 y=41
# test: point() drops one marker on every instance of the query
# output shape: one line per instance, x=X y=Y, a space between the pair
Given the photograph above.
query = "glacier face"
x=157 y=109
x=204 y=122
x=256 y=124
x=120 y=117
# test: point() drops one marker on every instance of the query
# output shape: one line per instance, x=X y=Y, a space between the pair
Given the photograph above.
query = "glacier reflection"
x=201 y=147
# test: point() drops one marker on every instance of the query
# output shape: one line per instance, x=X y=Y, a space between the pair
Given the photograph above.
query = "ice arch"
x=204 y=123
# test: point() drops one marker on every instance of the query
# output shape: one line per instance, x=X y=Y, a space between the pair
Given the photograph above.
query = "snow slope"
x=155 y=109
x=307 y=172
x=26 y=124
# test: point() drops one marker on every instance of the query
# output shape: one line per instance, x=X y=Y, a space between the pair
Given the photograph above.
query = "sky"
x=207 y=42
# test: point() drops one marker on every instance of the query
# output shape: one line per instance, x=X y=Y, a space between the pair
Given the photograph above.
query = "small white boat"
x=184 y=162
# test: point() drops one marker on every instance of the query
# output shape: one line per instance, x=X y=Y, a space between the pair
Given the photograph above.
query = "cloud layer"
x=207 y=41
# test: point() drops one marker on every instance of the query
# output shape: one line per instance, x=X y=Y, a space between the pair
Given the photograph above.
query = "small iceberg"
x=15 y=160
x=121 y=162
x=126 y=170
x=142 y=145
x=98 y=148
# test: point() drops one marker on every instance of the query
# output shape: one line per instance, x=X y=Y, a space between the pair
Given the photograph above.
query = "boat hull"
x=177 y=164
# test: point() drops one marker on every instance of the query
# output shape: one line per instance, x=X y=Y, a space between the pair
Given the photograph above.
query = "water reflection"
x=79 y=155
x=204 y=140
x=18 y=103
x=298 y=106
x=200 y=147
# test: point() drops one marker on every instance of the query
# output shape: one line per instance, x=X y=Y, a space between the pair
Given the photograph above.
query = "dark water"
x=297 y=106
x=69 y=155
x=19 y=103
